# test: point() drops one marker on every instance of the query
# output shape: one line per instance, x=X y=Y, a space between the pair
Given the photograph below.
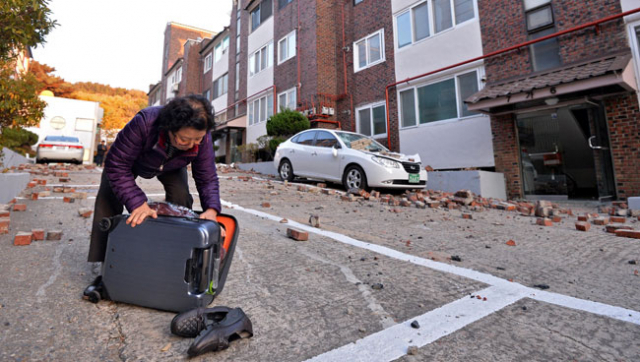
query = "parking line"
x=392 y=343
x=614 y=312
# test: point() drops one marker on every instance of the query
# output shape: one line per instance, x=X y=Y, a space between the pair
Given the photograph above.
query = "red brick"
x=583 y=226
x=297 y=234
x=66 y=199
x=583 y=218
x=42 y=182
x=31 y=184
x=612 y=228
x=618 y=219
x=556 y=218
x=467 y=216
x=266 y=204
x=19 y=207
x=22 y=238
x=85 y=212
x=544 y=222
x=634 y=234
x=37 y=234
x=64 y=179
x=34 y=196
x=511 y=243
x=601 y=221
x=4 y=214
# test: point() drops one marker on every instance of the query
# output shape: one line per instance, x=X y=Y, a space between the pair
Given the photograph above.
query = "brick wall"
x=207 y=78
x=503 y=24
x=234 y=56
x=506 y=153
x=286 y=74
x=623 y=119
x=191 y=82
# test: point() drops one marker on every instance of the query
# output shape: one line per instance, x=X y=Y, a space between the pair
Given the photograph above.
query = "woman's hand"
x=140 y=213
x=212 y=214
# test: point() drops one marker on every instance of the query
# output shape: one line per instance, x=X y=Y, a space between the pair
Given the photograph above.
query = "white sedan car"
x=60 y=149
x=356 y=161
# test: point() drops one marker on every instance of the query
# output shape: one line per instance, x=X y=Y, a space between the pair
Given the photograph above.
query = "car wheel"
x=354 y=178
x=285 y=170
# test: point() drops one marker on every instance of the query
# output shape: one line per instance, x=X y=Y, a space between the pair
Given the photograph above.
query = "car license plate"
x=414 y=178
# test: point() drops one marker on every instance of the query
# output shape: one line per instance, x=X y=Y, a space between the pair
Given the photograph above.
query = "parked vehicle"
x=356 y=161
x=60 y=149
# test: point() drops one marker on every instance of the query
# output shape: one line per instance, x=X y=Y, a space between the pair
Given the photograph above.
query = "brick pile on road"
x=56 y=170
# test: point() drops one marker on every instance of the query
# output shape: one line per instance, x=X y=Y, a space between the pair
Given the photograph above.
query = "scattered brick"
x=284 y=221
x=79 y=195
x=544 y=221
x=511 y=243
x=618 y=219
x=41 y=182
x=54 y=235
x=5 y=214
x=58 y=189
x=345 y=198
x=68 y=190
x=22 y=238
x=266 y=204
x=405 y=203
x=85 y=212
x=31 y=184
x=314 y=220
x=583 y=217
x=297 y=234
x=556 y=218
x=34 y=196
x=64 y=179
x=420 y=205
x=583 y=226
x=321 y=185
x=601 y=221
x=37 y=234
x=611 y=228
x=67 y=199
x=19 y=207
x=44 y=193
x=634 y=234
x=467 y=216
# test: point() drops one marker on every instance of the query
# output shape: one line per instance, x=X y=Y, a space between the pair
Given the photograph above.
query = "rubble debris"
x=511 y=243
x=415 y=324
x=544 y=222
x=54 y=235
x=314 y=220
x=412 y=350
x=634 y=234
x=456 y=258
x=266 y=204
x=601 y=220
x=37 y=234
x=618 y=219
x=377 y=286
x=633 y=262
x=297 y=234
x=541 y=286
x=612 y=228
x=467 y=216
x=19 y=207
x=583 y=226
x=284 y=221
x=22 y=238
x=85 y=212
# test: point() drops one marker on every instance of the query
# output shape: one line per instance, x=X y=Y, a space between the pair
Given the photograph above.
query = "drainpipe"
x=595 y=24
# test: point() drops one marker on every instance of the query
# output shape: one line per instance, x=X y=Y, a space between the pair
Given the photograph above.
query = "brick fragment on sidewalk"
x=37 y=234
x=634 y=234
x=583 y=217
x=297 y=234
x=511 y=243
x=64 y=179
x=79 y=195
x=54 y=235
x=22 y=238
x=618 y=219
x=556 y=218
x=467 y=216
x=314 y=220
x=85 y=212
x=31 y=184
x=265 y=204
x=544 y=221
x=583 y=226
x=19 y=207
x=34 y=196
x=4 y=225
x=601 y=220
x=612 y=228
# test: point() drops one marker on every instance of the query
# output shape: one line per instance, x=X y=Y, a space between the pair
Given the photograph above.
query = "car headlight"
x=385 y=162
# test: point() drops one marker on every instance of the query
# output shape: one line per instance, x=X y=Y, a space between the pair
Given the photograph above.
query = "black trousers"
x=176 y=188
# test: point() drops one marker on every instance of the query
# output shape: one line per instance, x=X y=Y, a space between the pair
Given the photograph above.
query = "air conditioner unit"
x=175 y=87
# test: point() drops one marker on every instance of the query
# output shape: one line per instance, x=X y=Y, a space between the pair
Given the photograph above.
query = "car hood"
x=396 y=156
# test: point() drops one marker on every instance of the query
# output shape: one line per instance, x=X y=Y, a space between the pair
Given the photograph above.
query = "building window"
x=237 y=75
x=207 y=94
x=431 y=17
x=261 y=59
x=287 y=47
x=372 y=120
x=208 y=62
x=438 y=101
x=179 y=75
x=220 y=49
x=220 y=86
x=369 y=51
x=283 y=3
x=356 y=2
x=540 y=22
x=238 y=22
x=261 y=13
x=287 y=99
x=260 y=109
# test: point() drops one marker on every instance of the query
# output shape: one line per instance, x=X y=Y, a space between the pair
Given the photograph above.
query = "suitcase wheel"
x=105 y=224
x=93 y=296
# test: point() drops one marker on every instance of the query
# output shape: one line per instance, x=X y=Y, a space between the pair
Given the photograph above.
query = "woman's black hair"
x=191 y=111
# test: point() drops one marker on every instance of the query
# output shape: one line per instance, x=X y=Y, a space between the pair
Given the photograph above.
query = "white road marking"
x=392 y=343
x=619 y=313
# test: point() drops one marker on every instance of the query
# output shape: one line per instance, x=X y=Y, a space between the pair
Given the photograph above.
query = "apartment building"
x=564 y=111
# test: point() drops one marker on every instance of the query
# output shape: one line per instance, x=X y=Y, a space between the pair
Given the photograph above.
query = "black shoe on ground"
x=190 y=323
x=217 y=337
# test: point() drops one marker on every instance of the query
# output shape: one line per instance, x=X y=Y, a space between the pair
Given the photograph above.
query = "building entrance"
x=564 y=153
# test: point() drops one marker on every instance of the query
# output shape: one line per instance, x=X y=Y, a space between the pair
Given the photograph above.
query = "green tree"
x=23 y=23
x=19 y=102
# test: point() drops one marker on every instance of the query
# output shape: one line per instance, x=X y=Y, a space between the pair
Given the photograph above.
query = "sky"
x=119 y=42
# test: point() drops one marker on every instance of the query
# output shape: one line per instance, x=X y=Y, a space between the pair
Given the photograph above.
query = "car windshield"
x=360 y=142
x=61 y=139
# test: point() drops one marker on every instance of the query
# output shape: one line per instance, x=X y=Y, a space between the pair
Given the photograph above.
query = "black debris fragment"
x=415 y=324
x=456 y=258
x=377 y=286
x=541 y=286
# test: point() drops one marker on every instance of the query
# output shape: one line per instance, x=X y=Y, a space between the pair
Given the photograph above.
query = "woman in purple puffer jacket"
x=158 y=142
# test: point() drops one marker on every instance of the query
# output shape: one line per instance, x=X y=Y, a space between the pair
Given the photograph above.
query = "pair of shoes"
x=214 y=328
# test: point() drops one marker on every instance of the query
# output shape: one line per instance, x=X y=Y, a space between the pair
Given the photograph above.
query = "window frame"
x=252 y=111
x=432 y=22
x=459 y=102
x=356 y=51
x=208 y=62
x=370 y=107
x=283 y=3
x=287 y=94
x=268 y=49
x=536 y=33
x=634 y=39
x=220 y=89
x=261 y=20
x=287 y=39
x=178 y=75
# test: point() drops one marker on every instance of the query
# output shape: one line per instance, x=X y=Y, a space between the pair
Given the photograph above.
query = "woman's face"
x=186 y=138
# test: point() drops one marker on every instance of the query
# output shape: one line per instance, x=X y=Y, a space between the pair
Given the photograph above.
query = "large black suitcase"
x=169 y=263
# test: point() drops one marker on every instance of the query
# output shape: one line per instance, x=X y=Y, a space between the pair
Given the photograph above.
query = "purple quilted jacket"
x=139 y=150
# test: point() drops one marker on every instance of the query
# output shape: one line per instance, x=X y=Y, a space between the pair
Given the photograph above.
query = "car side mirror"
x=335 y=149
